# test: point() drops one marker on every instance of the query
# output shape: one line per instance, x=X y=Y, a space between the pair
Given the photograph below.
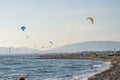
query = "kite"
x=91 y=19
x=51 y=42
x=27 y=37
x=10 y=49
x=23 y=28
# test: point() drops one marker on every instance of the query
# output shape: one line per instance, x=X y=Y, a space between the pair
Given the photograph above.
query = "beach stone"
x=114 y=62
x=92 y=78
x=118 y=64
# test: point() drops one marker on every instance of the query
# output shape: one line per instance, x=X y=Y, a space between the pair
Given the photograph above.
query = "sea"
x=12 y=66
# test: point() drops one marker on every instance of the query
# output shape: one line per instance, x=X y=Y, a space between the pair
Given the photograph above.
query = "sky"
x=60 y=21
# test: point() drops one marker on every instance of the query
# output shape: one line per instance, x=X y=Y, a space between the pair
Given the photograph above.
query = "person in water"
x=21 y=78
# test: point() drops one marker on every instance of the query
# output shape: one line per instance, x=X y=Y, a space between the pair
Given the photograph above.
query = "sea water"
x=11 y=66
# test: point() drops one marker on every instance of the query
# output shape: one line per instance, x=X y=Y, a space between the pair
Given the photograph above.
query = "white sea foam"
x=98 y=69
x=96 y=66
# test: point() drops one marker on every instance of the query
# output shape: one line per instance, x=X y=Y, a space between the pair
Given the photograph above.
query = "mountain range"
x=70 y=48
x=87 y=46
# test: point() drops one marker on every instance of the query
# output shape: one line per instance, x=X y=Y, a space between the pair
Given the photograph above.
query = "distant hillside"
x=22 y=50
x=87 y=46
x=70 y=48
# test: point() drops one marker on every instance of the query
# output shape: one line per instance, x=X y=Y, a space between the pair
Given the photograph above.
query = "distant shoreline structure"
x=79 y=55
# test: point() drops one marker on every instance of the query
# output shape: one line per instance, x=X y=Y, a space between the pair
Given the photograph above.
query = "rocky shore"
x=111 y=74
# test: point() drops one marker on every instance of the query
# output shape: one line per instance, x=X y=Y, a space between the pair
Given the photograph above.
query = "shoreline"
x=100 y=69
x=113 y=73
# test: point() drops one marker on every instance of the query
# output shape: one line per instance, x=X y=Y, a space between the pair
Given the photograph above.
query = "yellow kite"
x=91 y=19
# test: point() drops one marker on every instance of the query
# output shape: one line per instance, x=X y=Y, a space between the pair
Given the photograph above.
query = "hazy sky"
x=60 y=21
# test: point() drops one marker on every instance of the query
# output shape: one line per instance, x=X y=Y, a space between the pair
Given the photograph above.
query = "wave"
x=96 y=69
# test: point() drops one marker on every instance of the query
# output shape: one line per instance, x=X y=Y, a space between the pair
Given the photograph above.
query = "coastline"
x=113 y=73
x=100 y=68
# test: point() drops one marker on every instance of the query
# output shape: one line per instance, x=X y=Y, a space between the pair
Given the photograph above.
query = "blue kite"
x=23 y=28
